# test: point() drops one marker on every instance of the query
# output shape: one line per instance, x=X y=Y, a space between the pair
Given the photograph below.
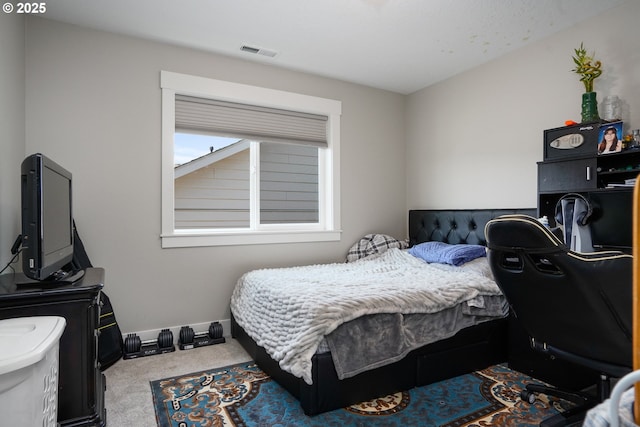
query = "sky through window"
x=188 y=146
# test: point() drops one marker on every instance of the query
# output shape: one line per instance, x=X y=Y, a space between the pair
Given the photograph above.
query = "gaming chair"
x=573 y=306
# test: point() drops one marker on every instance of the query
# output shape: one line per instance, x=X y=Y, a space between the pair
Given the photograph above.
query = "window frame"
x=328 y=227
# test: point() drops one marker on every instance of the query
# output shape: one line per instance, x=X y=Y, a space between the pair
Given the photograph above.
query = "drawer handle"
x=588 y=173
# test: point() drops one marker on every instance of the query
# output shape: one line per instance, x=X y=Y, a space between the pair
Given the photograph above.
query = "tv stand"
x=67 y=277
x=60 y=278
x=81 y=384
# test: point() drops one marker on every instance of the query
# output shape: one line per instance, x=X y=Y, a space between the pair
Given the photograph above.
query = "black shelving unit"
x=602 y=179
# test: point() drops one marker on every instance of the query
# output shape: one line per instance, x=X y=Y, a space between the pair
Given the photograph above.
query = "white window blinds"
x=249 y=121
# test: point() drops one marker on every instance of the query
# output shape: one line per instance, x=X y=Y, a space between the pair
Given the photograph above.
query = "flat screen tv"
x=47 y=220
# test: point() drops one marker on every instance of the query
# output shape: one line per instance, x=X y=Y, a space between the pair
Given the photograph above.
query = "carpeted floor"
x=243 y=395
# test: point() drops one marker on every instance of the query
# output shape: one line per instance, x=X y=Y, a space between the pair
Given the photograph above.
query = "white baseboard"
x=198 y=328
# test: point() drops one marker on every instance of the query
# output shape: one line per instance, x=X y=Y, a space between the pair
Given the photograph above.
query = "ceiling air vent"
x=258 y=50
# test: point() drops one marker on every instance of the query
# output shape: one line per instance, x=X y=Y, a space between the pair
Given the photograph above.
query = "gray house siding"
x=288 y=183
x=217 y=194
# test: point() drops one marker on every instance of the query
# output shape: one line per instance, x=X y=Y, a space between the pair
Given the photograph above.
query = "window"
x=213 y=189
x=247 y=165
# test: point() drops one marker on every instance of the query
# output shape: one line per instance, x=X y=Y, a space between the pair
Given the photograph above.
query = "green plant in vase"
x=588 y=69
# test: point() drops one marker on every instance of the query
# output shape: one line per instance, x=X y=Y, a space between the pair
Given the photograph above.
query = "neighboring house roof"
x=210 y=158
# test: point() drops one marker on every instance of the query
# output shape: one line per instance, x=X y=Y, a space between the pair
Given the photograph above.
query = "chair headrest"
x=521 y=232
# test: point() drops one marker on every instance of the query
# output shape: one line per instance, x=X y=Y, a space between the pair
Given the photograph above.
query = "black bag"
x=110 y=345
x=110 y=339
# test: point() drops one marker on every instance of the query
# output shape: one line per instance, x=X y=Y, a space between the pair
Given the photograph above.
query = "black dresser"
x=81 y=383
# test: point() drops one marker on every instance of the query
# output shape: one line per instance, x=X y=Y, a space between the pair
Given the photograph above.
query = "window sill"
x=189 y=240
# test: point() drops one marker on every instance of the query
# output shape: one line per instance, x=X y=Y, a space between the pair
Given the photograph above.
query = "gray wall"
x=474 y=140
x=93 y=104
x=12 y=120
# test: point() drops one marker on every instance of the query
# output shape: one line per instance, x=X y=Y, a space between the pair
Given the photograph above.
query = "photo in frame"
x=610 y=138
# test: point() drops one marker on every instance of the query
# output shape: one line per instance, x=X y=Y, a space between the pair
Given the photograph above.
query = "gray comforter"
x=289 y=311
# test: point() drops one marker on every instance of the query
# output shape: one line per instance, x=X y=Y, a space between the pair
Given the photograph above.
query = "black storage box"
x=571 y=141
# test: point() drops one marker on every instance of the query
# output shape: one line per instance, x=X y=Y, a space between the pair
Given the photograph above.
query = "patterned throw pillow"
x=374 y=244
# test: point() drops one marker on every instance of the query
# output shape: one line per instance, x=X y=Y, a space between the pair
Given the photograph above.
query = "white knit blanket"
x=288 y=311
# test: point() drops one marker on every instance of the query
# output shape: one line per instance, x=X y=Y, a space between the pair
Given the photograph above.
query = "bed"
x=470 y=330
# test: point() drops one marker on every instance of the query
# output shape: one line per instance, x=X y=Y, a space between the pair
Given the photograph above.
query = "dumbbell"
x=165 y=339
x=215 y=330
x=186 y=335
x=189 y=340
x=132 y=344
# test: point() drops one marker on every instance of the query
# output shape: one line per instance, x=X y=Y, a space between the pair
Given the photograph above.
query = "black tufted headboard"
x=454 y=225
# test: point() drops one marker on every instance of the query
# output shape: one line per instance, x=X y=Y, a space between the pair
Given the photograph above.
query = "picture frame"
x=610 y=138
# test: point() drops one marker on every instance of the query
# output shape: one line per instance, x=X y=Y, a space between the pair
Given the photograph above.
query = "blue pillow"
x=445 y=253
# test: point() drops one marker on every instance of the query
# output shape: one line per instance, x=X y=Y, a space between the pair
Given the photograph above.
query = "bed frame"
x=470 y=349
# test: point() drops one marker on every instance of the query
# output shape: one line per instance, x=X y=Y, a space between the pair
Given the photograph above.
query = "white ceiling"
x=397 y=45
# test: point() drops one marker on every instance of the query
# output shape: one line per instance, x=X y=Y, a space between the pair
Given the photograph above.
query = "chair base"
x=570 y=417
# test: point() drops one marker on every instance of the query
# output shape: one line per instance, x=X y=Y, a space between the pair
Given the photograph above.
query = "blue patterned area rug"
x=243 y=395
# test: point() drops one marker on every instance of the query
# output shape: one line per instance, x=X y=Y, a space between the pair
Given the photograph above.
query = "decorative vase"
x=589 y=107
